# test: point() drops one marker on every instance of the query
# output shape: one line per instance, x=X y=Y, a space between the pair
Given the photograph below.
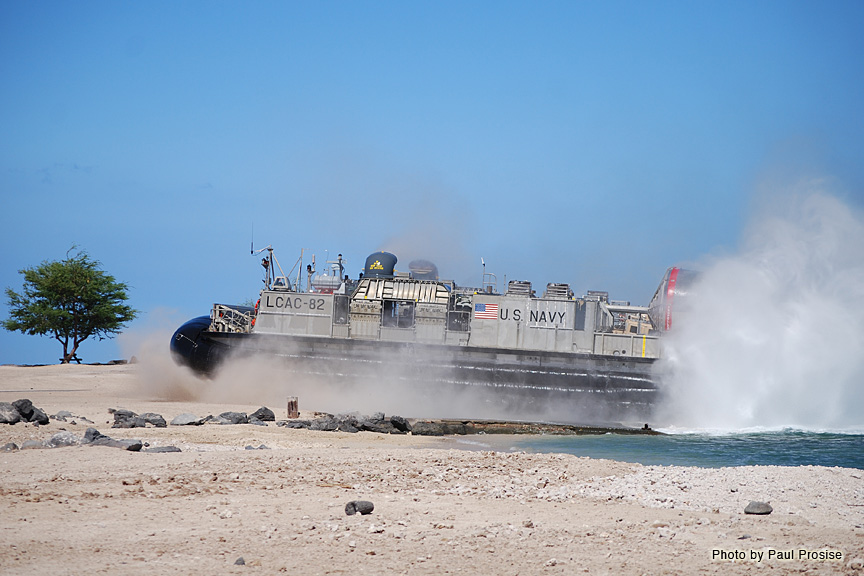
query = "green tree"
x=70 y=300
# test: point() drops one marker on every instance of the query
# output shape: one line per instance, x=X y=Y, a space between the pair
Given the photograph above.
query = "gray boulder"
x=347 y=423
x=187 y=419
x=93 y=437
x=426 y=428
x=233 y=418
x=127 y=419
x=9 y=414
x=154 y=419
x=39 y=417
x=24 y=407
x=423 y=428
x=326 y=424
x=347 y=426
x=296 y=424
x=90 y=435
x=62 y=415
x=32 y=444
x=756 y=507
x=62 y=438
x=400 y=423
x=359 y=507
x=131 y=445
x=134 y=422
x=264 y=414
x=379 y=426
x=9 y=447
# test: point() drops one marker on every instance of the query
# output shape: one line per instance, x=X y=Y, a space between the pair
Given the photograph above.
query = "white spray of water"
x=774 y=337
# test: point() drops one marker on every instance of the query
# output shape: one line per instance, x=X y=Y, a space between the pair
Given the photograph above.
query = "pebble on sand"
x=359 y=506
x=756 y=507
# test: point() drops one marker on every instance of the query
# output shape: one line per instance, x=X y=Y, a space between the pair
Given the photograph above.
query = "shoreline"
x=439 y=509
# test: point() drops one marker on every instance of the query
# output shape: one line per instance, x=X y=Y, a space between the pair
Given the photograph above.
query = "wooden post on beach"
x=293 y=407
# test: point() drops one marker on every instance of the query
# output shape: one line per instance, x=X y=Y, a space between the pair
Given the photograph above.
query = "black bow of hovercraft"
x=190 y=347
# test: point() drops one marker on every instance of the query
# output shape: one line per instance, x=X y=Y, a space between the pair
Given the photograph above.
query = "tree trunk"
x=67 y=358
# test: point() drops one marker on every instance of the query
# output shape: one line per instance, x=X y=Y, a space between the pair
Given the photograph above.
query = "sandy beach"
x=438 y=509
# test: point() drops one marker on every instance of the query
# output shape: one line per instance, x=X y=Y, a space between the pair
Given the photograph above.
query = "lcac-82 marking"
x=294 y=303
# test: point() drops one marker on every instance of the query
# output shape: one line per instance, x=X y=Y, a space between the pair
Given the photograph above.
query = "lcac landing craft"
x=573 y=359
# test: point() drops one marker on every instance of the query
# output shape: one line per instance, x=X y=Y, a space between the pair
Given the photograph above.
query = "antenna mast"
x=267 y=262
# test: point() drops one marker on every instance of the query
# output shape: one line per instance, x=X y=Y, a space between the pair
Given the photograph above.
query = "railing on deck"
x=227 y=319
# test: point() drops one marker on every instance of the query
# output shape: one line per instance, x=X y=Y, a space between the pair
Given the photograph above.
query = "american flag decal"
x=486 y=311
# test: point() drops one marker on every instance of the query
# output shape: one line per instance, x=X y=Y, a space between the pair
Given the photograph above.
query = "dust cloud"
x=158 y=375
x=419 y=388
x=414 y=387
x=258 y=379
x=772 y=337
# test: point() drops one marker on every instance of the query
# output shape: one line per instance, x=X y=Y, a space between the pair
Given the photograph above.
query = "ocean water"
x=763 y=362
x=786 y=447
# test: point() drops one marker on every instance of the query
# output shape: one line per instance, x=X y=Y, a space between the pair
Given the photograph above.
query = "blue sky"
x=595 y=143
